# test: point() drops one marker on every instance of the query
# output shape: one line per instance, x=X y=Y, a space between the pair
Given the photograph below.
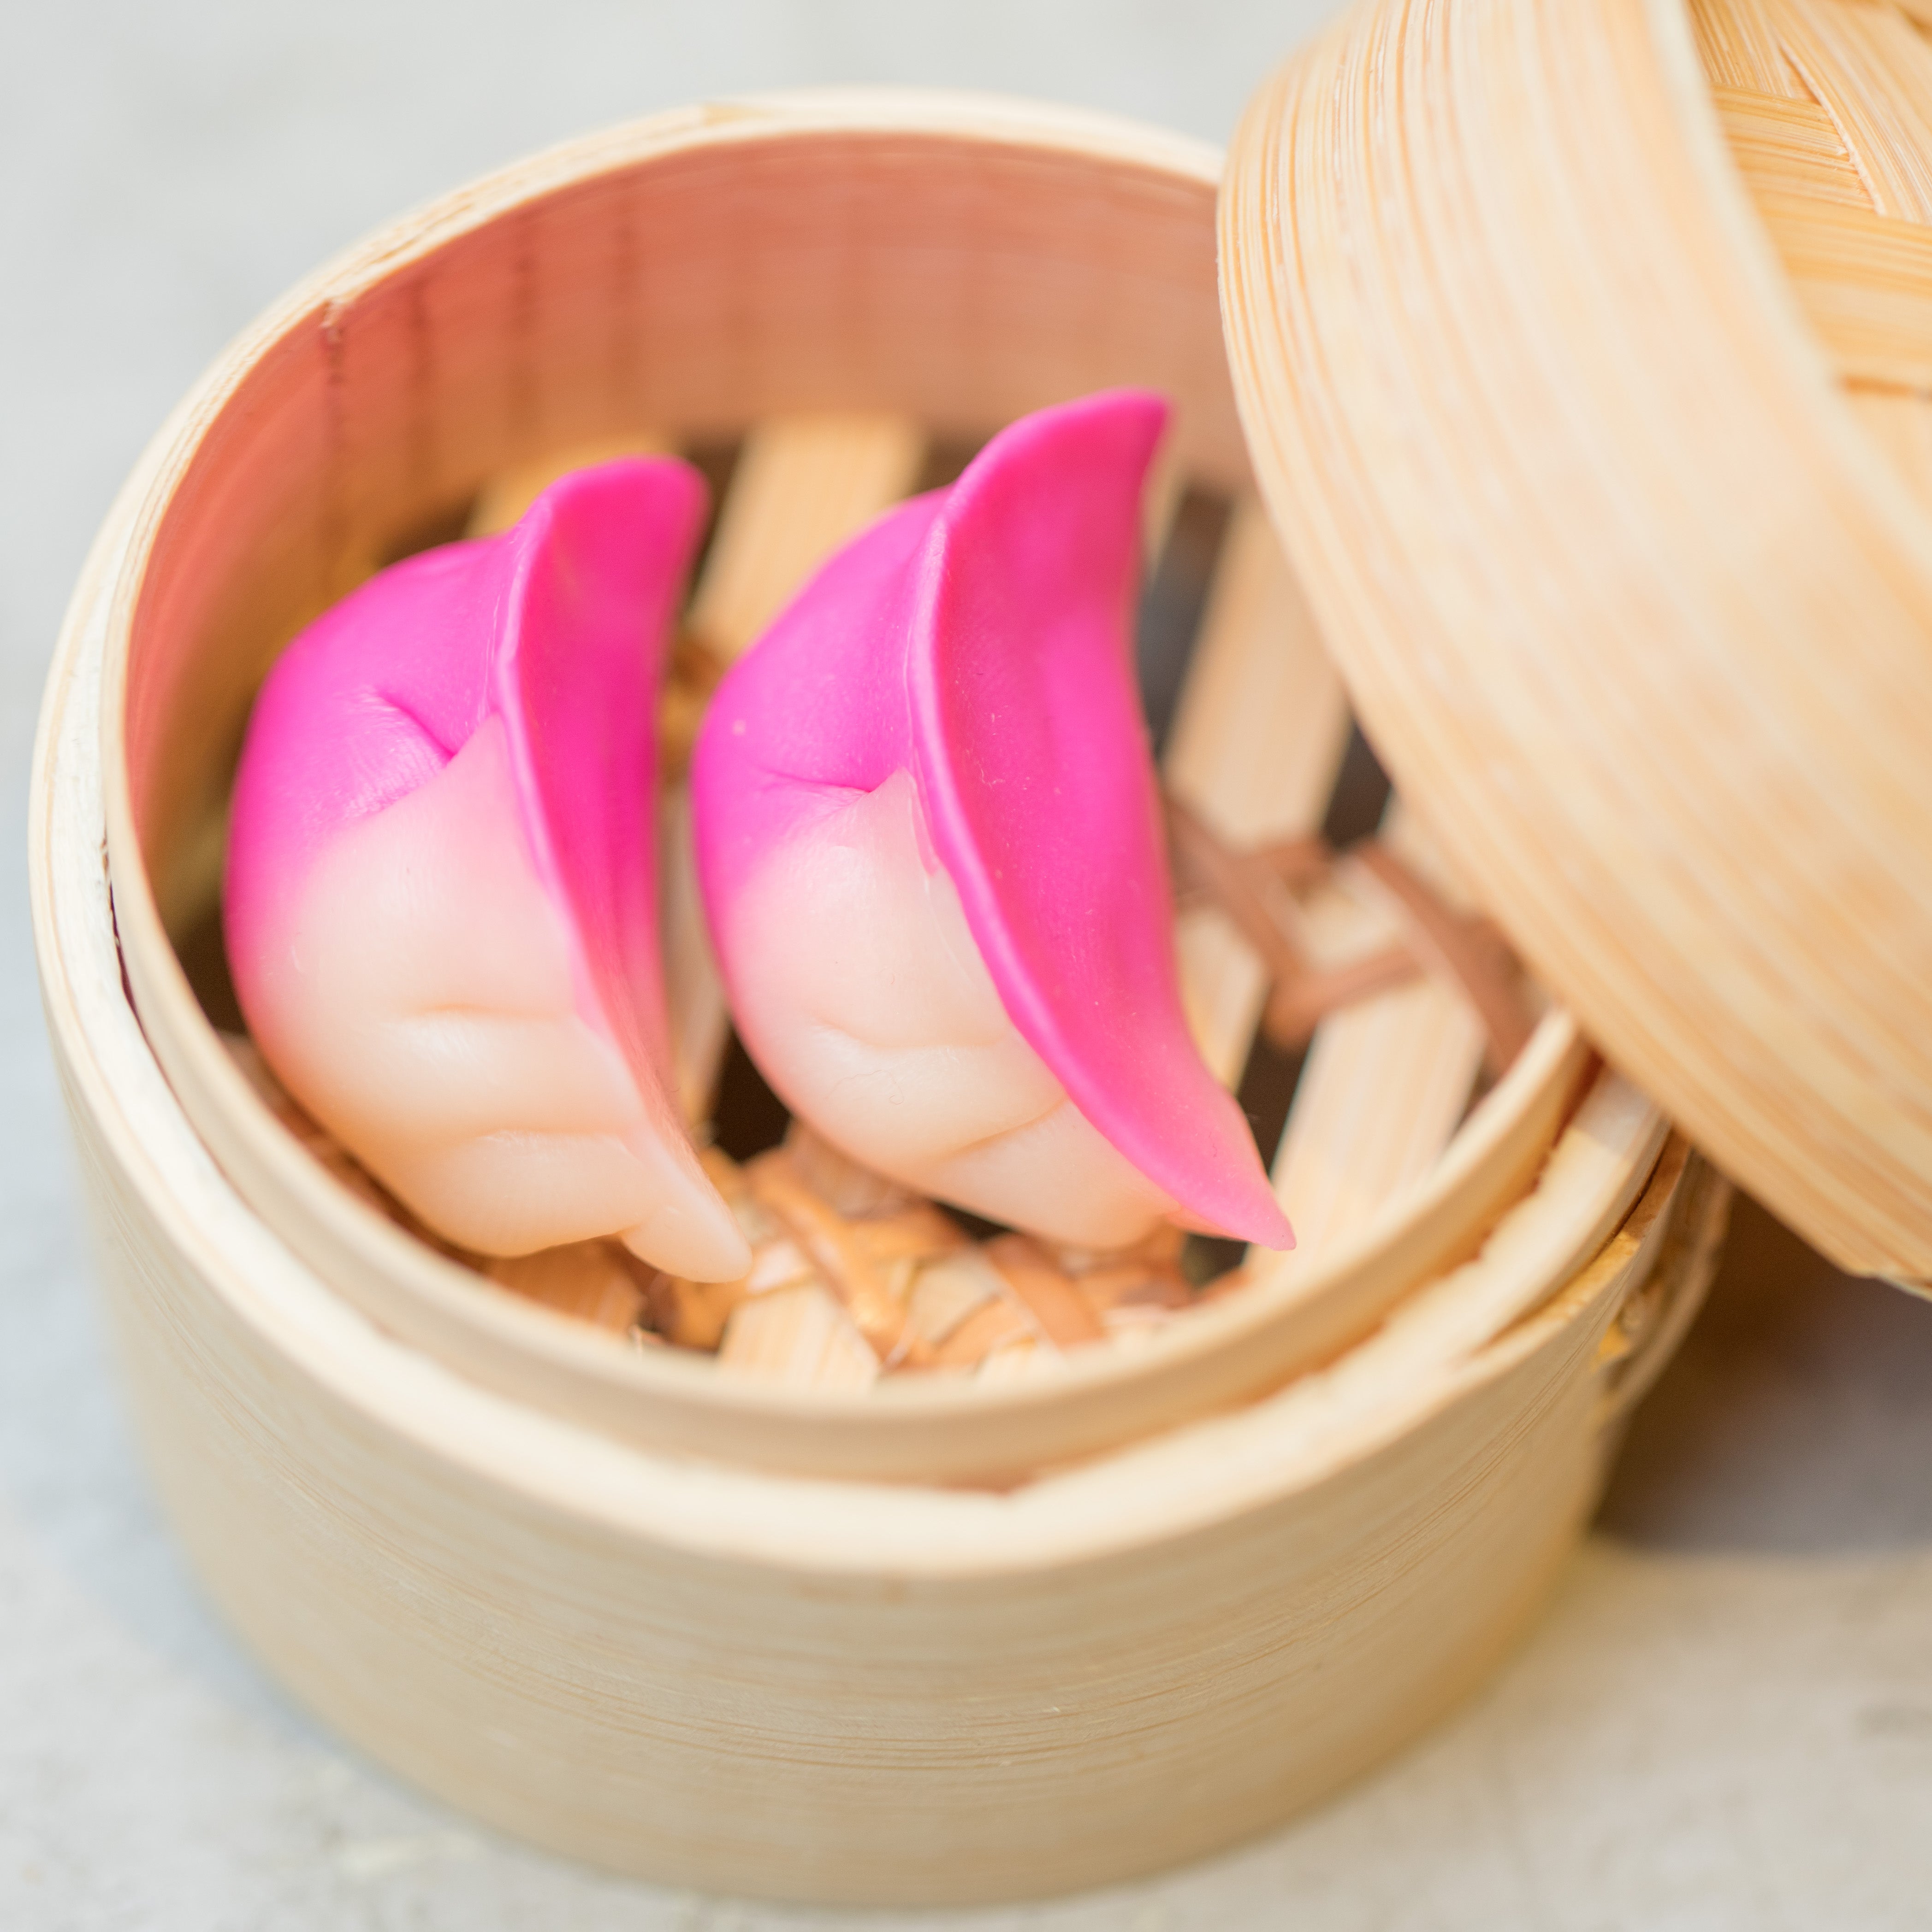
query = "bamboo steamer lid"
x=1586 y=353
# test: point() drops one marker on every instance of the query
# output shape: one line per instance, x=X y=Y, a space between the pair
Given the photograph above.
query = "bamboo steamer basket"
x=941 y=1642
x=582 y=296
x=1586 y=353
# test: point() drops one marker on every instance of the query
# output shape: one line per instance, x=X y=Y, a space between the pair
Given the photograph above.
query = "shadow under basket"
x=1098 y=1599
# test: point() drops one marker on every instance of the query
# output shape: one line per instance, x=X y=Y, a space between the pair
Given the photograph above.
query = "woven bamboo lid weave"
x=1586 y=353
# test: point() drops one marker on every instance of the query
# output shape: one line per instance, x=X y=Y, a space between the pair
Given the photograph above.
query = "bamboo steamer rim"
x=1222 y=1354
x=1531 y=396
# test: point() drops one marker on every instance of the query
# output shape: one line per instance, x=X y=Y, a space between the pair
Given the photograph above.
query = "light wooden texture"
x=805 y=483
x=1387 y=1081
x=1585 y=503
x=404 y=377
x=1850 y=224
x=700 y=1023
x=850 y=1692
x=799 y=1337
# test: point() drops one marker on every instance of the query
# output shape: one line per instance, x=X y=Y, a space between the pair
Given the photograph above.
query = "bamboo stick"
x=797 y=1338
x=802 y=486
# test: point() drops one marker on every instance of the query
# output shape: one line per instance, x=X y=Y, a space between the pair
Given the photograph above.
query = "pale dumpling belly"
x=422 y=999
x=862 y=995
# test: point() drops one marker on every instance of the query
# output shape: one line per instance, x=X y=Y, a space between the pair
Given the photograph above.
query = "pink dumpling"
x=930 y=843
x=440 y=904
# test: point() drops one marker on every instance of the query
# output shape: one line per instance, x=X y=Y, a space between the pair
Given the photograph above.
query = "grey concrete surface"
x=1725 y=1720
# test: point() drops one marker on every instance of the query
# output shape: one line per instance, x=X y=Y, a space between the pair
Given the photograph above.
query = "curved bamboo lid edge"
x=1631 y=606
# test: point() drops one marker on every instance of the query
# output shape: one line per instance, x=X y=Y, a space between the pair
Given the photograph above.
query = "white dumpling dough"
x=899 y=1050
x=423 y=1005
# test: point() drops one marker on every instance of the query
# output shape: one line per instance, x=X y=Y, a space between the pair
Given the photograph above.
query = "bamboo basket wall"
x=1619 y=505
x=1004 y=1635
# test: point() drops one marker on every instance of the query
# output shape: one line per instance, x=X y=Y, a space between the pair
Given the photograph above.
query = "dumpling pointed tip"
x=695 y=1238
x=1128 y=409
x=1270 y=1230
x=1084 y=454
x=1253 y=1214
x=1132 y=420
x=1259 y=1218
x=662 y=493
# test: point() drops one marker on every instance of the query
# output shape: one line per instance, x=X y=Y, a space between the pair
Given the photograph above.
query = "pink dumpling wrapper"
x=978 y=640
x=471 y=737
